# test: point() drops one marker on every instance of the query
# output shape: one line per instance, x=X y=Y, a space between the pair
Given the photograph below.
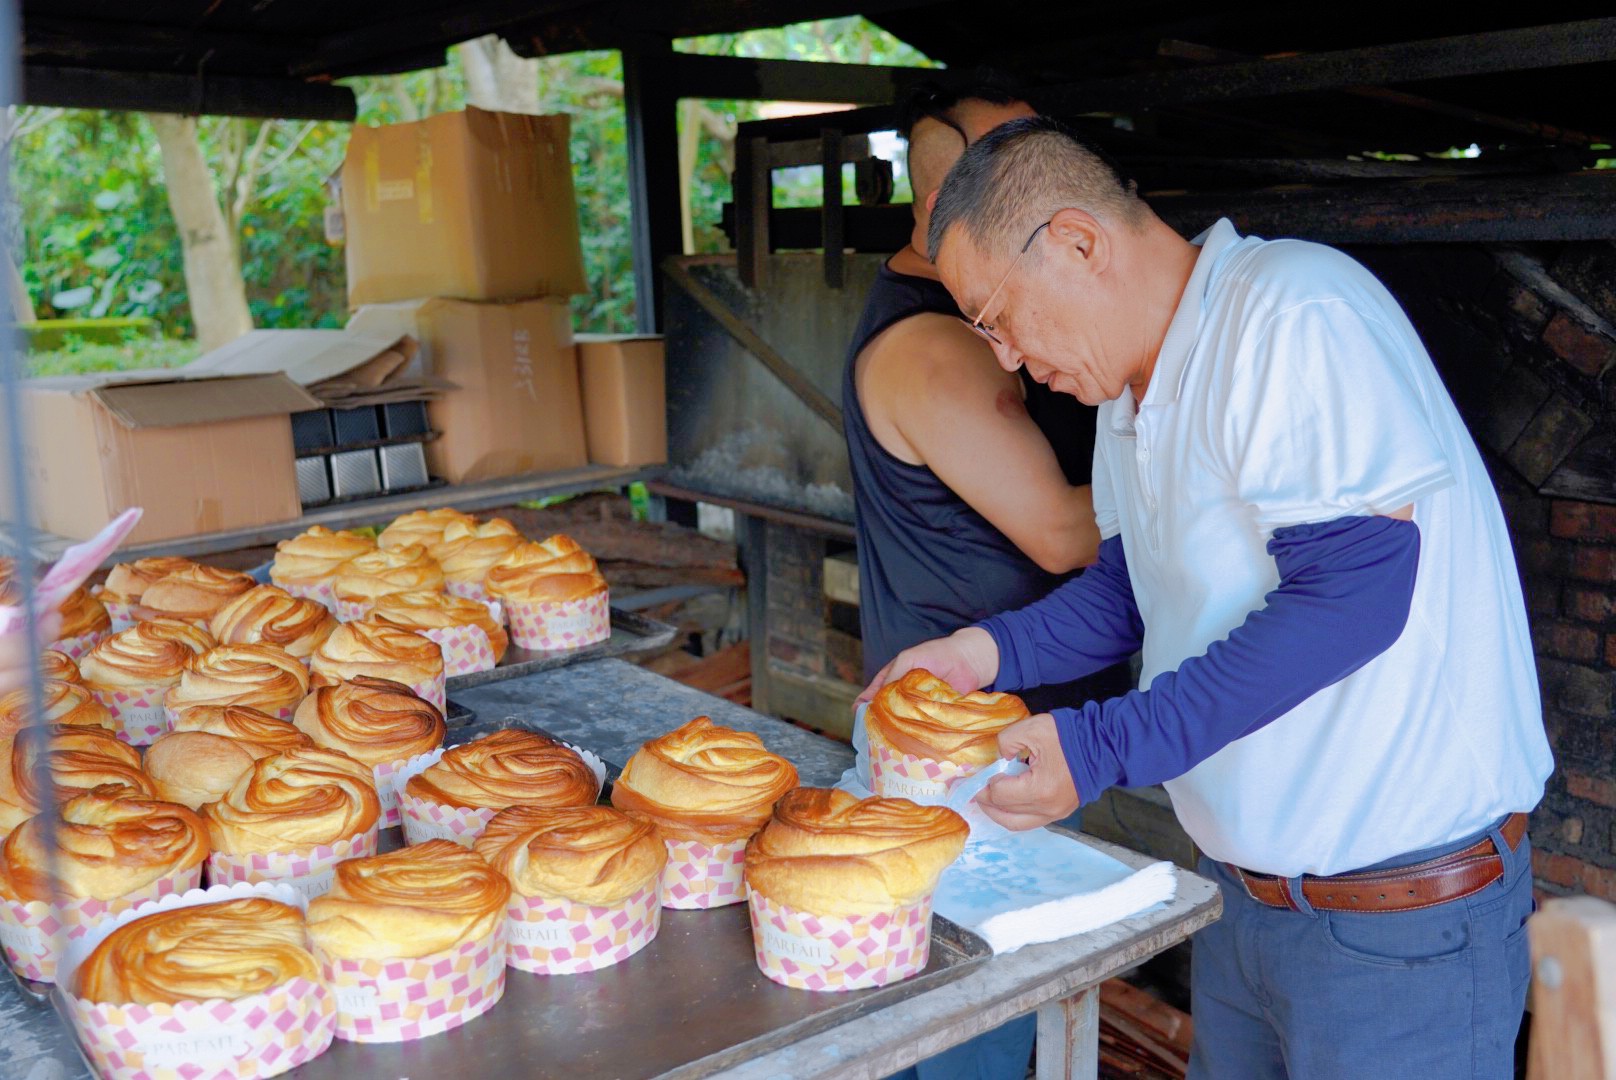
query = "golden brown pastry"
x=551 y=571
x=827 y=852
x=10 y=588
x=922 y=715
x=193 y=767
x=127 y=582
x=705 y=783
x=440 y=611
x=153 y=653
x=387 y=570
x=262 y=677
x=313 y=557
x=83 y=614
x=467 y=550
x=271 y=616
x=293 y=801
x=375 y=721
x=109 y=842
x=231 y=950
x=381 y=651
x=422 y=527
x=586 y=854
x=257 y=732
x=49 y=764
x=193 y=593
x=54 y=664
x=412 y=902
x=68 y=704
x=508 y=768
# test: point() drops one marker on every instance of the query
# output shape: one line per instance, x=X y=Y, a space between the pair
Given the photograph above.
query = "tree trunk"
x=496 y=78
x=217 y=293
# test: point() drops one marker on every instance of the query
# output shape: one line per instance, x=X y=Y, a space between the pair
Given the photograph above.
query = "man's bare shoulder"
x=932 y=351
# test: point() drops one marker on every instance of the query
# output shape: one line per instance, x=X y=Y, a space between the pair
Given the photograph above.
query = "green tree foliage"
x=96 y=237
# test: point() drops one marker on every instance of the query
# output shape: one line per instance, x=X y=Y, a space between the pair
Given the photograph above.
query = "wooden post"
x=1069 y=1037
x=1573 y=990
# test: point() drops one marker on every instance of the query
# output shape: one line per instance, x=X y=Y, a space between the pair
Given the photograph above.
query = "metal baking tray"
x=632 y=635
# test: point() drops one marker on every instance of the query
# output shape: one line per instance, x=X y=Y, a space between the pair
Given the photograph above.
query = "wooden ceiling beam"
x=218 y=95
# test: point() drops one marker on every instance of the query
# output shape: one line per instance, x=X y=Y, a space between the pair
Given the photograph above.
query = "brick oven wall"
x=1525 y=340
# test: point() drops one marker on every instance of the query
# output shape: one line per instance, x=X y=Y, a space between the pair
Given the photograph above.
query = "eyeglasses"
x=985 y=330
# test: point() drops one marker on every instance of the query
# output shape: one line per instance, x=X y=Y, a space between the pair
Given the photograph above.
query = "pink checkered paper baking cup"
x=427 y=819
x=31 y=933
x=562 y=937
x=77 y=648
x=825 y=952
x=390 y=777
x=122 y=614
x=466 y=649
x=321 y=592
x=353 y=610
x=308 y=873
x=474 y=590
x=262 y=1035
x=138 y=712
x=173 y=717
x=380 y=1001
x=568 y=624
x=704 y=875
x=433 y=690
x=897 y=775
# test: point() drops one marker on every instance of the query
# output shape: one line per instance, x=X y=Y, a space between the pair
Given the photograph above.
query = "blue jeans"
x=1432 y=994
x=1000 y=1054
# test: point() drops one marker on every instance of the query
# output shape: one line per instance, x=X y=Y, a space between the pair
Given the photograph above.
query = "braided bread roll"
x=586 y=854
x=467 y=551
x=192 y=593
x=194 y=768
x=229 y=950
x=127 y=582
x=387 y=570
x=256 y=732
x=705 y=783
x=922 y=715
x=374 y=721
x=83 y=614
x=412 y=902
x=828 y=852
x=551 y=571
x=313 y=557
x=153 y=653
x=422 y=527
x=65 y=703
x=109 y=842
x=54 y=664
x=261 y=677
x=380 y=650
x=270 y=616
x=439 y=611
x=507 y=768
x=77 y=759
x=292 y=802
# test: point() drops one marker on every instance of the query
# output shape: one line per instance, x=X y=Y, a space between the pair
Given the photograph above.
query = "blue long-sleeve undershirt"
x=1345 y=588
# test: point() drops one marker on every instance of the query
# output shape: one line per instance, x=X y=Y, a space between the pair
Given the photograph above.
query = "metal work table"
x=611 y=707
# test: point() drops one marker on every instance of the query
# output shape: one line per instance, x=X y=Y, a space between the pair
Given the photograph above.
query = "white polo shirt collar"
x=1167 y=382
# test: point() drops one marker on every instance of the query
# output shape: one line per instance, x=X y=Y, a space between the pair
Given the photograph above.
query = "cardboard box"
x=472 y=205
x=516 y=407
x=625 y=399
x=343 y=368
x=199 y=454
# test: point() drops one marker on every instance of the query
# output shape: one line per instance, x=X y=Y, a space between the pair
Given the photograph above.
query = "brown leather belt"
x=1401 y=888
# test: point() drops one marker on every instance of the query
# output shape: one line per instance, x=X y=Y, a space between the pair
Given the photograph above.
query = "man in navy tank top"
x=947 y=535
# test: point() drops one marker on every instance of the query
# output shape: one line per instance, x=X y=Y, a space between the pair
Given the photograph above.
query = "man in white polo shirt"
x=1338 y=685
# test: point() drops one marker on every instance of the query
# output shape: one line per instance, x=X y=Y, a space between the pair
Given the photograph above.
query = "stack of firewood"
x=1141 y=1037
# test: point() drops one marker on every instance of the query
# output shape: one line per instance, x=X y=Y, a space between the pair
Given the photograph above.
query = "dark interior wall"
x=1524 y=339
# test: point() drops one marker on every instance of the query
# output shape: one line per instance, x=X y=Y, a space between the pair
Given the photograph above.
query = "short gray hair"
x=1017 y=176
